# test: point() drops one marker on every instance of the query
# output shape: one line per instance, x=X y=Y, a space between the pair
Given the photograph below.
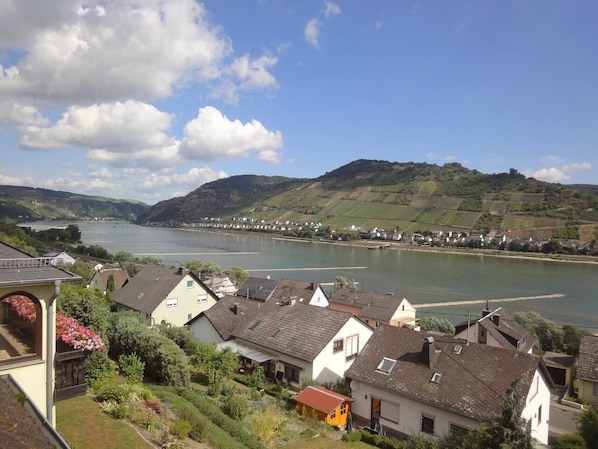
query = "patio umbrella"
x=380 y=430
x=349 y=423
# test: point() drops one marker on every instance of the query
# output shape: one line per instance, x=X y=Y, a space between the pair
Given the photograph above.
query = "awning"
x=250 y=353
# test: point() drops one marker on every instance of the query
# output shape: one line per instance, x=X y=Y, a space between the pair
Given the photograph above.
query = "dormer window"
x=386 y=365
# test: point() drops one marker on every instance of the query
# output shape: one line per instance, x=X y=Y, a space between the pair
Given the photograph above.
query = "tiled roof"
x=472 y=382
x=150 y=286
x=298 y=330
x=290 y=288
x=505 y=330
x=17 y=267
x=587 y=363
x=257 y=288
x=120 y=277
x=22 y=427
x=376 y=306
x=321 y=399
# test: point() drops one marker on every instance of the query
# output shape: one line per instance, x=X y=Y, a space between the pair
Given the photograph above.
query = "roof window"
x=386 y=365
x=436 y=377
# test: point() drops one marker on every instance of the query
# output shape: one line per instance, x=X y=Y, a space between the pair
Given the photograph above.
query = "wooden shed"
x=331 y=407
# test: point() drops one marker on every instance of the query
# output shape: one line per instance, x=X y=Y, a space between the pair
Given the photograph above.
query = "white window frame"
x=172 y=302
x=430 y=417
x=351 y=346
x=190 y=283
x=202 y=298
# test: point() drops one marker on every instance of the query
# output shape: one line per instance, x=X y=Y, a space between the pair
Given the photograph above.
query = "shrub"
x=110 y=390
x=166 y=362
x=115 y=409
x=353 y=436
x=181 y=428
x=569 y=441
x=131 y=367
x=236 y=406
x=97 y=367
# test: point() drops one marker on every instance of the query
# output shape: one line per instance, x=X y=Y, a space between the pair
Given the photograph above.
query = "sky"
x=147 y=99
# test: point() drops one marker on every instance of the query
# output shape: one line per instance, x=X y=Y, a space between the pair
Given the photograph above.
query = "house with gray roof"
x=291 y=340
x=587 y=369
x=411 y=382
x=28 y=348
x=497 y=328
x=375 y=308
x=266 y=289
x=256 y=288
x=164 y=294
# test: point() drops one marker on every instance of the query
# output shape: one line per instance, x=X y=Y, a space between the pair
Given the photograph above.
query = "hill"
x=30 y=204
x=406 y=197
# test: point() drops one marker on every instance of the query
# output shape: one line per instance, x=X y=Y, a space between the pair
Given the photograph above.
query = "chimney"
x=428 y=352
x=181 y=271
x=236 y=308
x=313 y=286
x=486 y=311
x=496 y=320
x=292 y=301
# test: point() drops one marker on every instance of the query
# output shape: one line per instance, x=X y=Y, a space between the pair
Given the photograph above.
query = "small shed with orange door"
x=331 y=407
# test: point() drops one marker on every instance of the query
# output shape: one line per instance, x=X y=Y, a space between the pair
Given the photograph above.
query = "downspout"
x=50 y=354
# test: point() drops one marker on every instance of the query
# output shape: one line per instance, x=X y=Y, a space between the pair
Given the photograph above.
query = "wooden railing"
x=70 y=374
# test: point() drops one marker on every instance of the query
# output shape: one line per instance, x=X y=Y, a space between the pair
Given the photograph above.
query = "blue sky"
x=148 y=100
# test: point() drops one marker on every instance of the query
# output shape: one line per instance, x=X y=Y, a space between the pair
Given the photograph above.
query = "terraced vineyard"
x=402 y=197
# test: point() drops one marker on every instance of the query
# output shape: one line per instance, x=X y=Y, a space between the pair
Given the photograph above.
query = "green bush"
x=97 y=367
x=110 y=390
x=115 y=410
x=131 y=367
x=569 y=441
x=353 y=436
x=164 y=360
x=236 y=406
x=181 y=428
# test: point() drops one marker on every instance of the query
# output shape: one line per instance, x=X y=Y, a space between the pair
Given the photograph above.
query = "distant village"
x=316 y=230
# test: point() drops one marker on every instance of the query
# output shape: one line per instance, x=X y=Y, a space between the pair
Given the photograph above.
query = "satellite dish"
x=354 y=385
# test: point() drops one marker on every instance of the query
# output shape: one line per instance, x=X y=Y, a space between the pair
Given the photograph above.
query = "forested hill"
x=29 y=204
x=404 y=197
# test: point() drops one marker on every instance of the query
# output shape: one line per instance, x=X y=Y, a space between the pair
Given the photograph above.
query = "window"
x=427 y=424
x=291 y=373
x=172 y=302
x=337 y=345
x=20 y=331
x=255 y=325
x=539 y=415
x=344 y=409
x=595 y=389
x=190 y=284
x=436 y=377
x=352 y=347
x=202 y=298
x=389 y=411
x=456 y=429
x=386 y=365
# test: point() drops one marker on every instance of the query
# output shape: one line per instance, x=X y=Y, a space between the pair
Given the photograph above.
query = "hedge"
x=165 y=362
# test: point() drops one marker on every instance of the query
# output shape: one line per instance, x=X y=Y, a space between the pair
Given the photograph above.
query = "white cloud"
x=312 y=32
x=212 y=135
x=578 y=167
x=331 y=9
x=110 y=50
x=450 y=158
x=547 y=174
x=244 y=75
x=21 y=114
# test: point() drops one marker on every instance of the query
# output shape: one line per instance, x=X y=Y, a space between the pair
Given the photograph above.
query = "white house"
x=58 y=258
x=411 y=383
x=171 y=295
x=497 y=328
x=375 y=308
x=293 y=341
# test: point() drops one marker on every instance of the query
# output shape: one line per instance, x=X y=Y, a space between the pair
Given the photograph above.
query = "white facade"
x=319 y=298
x=187 y=300
x=203 y=331
x=406 y=415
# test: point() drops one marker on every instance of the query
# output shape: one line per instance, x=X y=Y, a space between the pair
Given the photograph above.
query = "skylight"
x=457 y=349
x=386 y=365
x=255 y=325
x=436 y=377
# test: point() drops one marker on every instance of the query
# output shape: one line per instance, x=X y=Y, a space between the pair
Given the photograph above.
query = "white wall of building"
x=183 y=303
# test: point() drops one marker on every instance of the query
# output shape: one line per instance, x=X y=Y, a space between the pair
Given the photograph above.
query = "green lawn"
x=84 y=426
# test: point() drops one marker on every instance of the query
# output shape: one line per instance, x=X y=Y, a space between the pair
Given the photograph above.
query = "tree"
x=87 y=306
x=588 y=426
x=237 y=275
x=432 y=323
x=343 y=282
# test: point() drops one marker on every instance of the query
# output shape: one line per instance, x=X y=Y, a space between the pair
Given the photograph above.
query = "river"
x=421 y=277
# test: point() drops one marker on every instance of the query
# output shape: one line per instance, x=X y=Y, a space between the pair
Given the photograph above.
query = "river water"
x=421 y=277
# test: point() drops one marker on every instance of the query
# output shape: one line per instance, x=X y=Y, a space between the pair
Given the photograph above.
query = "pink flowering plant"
x=67 y=329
